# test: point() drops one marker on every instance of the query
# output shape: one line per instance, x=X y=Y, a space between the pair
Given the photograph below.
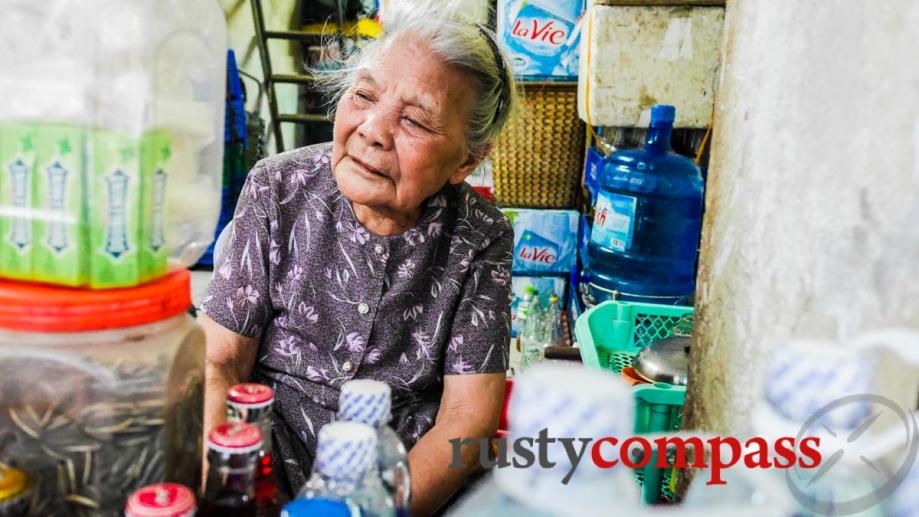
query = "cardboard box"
x=542 y=37
x=17 y=176
x=545 y=241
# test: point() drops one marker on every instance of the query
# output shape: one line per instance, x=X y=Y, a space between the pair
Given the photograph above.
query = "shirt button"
x=378 y=249
x=347 y=366
x=363 y=308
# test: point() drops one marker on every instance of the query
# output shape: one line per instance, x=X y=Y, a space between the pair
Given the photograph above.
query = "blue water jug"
x=647 y=220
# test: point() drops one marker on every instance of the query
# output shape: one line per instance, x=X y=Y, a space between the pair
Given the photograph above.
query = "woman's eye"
x=414 y=123
x=362 y=96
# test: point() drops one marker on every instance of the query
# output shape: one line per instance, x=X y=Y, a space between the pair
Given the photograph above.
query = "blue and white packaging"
x=545 y=241
x=546 y=285
x=593 y=166
x=542 y=37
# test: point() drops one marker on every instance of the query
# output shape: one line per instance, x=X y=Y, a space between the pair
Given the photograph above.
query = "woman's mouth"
x=367 y=168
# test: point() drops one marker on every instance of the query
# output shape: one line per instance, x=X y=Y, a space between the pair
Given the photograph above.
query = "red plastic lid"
x=46 y=308
x=235 y=437
x=161 y=500
x=250 y=394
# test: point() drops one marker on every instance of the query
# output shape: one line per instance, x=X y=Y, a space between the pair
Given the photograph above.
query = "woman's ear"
x=473 y=160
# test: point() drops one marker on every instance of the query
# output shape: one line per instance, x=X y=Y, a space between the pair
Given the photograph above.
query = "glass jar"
x=111 y=138
x=102 y=391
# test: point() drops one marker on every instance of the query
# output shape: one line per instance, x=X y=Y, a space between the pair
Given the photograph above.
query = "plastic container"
x=111 y=138
x=648 y=218
x=102 y=391
x=610 y=335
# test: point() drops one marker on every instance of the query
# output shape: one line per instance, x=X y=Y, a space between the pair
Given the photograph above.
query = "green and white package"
x=61 y=254
x=155 y=169
x=17 y=168
x=114 y=209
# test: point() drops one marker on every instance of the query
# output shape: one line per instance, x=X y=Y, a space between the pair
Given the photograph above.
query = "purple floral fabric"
x=332 y=302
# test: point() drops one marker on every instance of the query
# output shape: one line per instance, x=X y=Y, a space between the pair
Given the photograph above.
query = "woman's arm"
x=470 y=408
x=229 y=359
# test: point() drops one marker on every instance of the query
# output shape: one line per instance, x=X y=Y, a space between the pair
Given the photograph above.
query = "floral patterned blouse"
x=331 y=301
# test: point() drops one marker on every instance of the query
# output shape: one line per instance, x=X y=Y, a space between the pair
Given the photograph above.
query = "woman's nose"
x=376 y=130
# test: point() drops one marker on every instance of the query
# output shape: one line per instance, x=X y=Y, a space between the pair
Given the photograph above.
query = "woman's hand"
x=470 y=408
x=229 y=360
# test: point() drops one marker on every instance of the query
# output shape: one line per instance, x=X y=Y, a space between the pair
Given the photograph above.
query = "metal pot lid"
x=665 y=360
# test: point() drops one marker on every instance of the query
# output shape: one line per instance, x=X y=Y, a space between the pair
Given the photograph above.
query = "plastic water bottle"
x=346 y=456
x=532 y=334
x=550 y=398
x=368 y=402
x=553 y=321
x=647 y=220
x=524 y=306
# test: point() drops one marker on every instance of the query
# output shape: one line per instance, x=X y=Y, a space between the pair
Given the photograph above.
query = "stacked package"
x=111 y=120
x=545 y=252
x=635 y=57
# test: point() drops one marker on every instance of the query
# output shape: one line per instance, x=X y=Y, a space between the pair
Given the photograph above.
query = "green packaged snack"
x=155 y=162
x=61 y=254
x=17 y=169
x=114 y=209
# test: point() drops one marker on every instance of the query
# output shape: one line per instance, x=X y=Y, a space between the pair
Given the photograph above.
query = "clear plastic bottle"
x=553 y=321
x=344 y=470
x=550 y=399
x=368 y=402
x=532 y=334
x=524 y=306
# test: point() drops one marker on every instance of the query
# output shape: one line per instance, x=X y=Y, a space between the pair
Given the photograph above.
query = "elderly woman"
x=371 y=258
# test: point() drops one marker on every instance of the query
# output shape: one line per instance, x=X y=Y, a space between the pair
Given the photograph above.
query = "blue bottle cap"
x=315 y=508
x=663 y=113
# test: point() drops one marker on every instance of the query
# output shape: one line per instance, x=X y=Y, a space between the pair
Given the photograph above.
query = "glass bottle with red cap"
x=251 y=403
x=161 y=500
x=233 y=452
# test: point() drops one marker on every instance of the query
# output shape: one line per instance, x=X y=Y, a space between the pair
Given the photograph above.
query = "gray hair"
x=450 y=29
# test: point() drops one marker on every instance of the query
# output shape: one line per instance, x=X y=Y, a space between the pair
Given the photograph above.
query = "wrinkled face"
x=400 y=130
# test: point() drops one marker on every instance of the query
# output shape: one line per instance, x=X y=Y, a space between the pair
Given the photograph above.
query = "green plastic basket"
x=609 y=336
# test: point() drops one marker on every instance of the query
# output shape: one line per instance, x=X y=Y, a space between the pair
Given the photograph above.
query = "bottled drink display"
x=233 y=453
x=252 y=403
x=540 y=327
x=345 y=470
x=647 y=219
x=368 y=402
x=161 y=500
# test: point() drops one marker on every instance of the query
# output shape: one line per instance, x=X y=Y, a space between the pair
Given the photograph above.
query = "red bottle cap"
x=161 y=500
x=235 y=438
x=47 y=308
x=250 y=395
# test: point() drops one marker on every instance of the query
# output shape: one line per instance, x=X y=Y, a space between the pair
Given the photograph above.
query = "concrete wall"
x=812 y=222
